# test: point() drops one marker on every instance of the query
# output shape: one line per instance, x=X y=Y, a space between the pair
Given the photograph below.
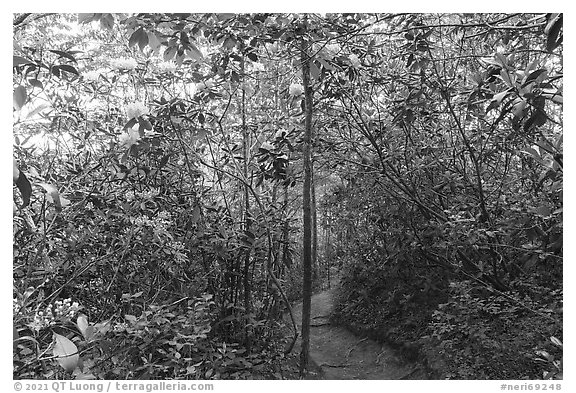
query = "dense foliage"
x=157 y=223
x=456 y=210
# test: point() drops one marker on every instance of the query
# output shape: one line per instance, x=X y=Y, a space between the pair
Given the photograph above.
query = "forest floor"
x=337 y=353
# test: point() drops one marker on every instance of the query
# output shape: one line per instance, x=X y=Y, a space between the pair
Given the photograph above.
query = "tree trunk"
x=327 y=253
x=315 y=268
x=307 y=208
x=285 y=234
x=247 y=219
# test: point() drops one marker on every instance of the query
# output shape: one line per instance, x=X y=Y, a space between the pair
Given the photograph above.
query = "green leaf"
x=557 y=99
x=107 y=21
x=558 y=144
x=164 y=161
x=252 y=56
x=169 y=53
x=179 y=60
x=153 y=41
x=69 y=68
x=144 y=125
x=15 y=171
x=194 y=53
x=20 y=97
x=229 y=43
x=52 y=195
x=67 y=55
x=476 y=77
x=542 y=211
x=501 y=59
x=518 y=108
x=134 y=37
x=139 y=37
x=552 y=31
x=130 y=318
x=131 y=123
x=65 y=352
x=537 y=119
x=326 y=64
x=86 y=330
x=85 y=18
x=37 y=110
x=36 y=83
x=314 y=70
x=19 y=60
x=534 y=75
x=23 y=185
x=84 y=327
x=102 y=327
x=506 y=77
x=82 y=376
x=531 y=262
x=55 y=70
x=82 y=323
x=15 y=335
x=532 y=152
x=499 y=97
x=223 y=17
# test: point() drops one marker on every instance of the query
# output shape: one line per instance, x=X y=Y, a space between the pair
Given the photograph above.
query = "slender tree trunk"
x=285 y=233
x=327 y=254
x=315 y=268
x=247 y=219
x=306 y=207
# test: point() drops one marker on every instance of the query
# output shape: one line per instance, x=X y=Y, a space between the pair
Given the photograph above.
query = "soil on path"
x=342 y=355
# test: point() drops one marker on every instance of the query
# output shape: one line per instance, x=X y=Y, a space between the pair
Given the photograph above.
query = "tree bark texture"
x=307 y=209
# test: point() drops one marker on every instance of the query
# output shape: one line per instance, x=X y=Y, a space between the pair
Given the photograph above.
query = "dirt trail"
x=342 y=355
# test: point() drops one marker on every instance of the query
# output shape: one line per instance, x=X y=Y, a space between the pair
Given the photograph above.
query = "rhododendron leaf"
x=65 y=352
x=52 y=195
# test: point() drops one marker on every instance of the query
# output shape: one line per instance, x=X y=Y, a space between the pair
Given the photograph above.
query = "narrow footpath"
x=342 y=355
